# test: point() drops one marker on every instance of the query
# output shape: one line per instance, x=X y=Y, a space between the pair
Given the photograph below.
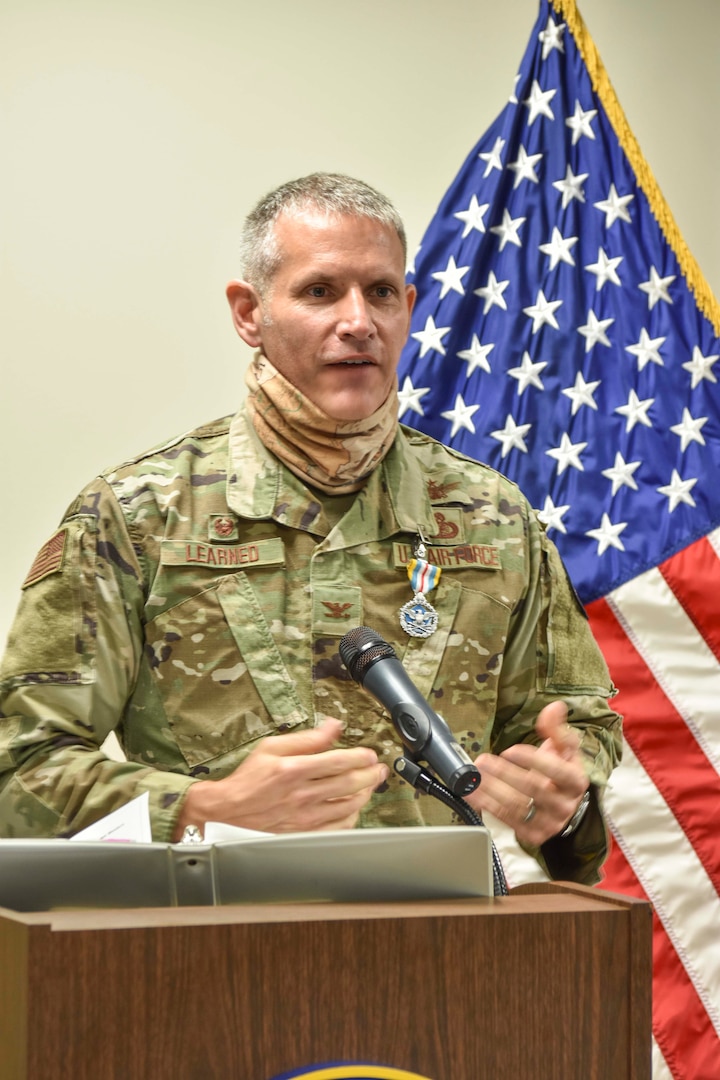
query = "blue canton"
x=555 y=337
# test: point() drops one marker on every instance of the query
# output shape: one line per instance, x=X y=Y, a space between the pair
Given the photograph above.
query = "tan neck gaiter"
x=336 y=456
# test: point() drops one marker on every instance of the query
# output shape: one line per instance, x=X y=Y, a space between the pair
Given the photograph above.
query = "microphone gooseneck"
x=423 y=781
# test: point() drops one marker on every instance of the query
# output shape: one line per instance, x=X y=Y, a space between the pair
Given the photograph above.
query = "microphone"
x=374 y=665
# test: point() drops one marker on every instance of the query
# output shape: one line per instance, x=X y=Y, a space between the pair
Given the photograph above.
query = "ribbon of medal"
x=418 y=617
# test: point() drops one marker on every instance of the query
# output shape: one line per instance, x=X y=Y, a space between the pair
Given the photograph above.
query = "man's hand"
x=289 y=783
x=535 y=789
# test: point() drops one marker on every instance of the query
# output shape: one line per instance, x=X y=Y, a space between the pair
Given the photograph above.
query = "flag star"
x=567 y=454
x=647 y=349
x=409 y=397
x=571 y=186
x=473 y=216
x=411 y=264
x=579 y=123
x=524 y=167
x=688 y=429
x=604 y=269
x=528 y=374
x=461 y=416
x=513 y=96
x=492 y=157
x=657 y=288
x=558 y=248
x=552 y=515
x=539 y=103
x=614 y=207
x=431 y=337
x=477 y=355
x=543 y=311
x=678 y=491
x=594 y=331
x=621 y=474
x=608 y=535
x=700 y=367
x=508 y=230
x=451 y=278
x=582 y=393
x=512 y=436
x=492 y=293
x=551 y=37
x=635 y=411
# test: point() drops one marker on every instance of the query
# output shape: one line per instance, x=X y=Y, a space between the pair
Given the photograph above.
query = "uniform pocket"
x=222 y=680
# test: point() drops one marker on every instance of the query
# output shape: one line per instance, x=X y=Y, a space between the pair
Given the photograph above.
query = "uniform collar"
x=395 y=498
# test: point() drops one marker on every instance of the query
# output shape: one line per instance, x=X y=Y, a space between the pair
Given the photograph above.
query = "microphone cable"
x=422 y=780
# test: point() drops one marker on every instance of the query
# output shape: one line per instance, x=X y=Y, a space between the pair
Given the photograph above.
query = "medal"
x=418 y=617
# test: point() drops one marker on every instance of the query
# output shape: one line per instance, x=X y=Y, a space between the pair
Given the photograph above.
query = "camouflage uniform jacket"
x=193 y=601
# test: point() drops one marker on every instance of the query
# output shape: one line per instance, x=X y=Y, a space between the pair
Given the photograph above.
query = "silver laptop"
x=348 y=866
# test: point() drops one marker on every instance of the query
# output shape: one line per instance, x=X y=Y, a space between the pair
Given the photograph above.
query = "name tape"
x=223 y=556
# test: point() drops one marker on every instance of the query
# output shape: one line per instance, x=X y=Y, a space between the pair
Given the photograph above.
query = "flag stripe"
x=684 y=776
x=713 y=539
x=676 y=654
x=660 y=1069
x=694 y=577
x=671 y=874
x=688 y=1045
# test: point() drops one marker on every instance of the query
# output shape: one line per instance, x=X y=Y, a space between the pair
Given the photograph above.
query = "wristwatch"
x=577 y=816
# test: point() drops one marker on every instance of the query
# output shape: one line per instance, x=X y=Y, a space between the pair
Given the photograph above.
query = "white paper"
x=218 y=830
x=129 y=823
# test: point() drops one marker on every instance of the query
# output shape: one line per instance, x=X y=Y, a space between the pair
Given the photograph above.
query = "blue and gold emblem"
x=360 y=1070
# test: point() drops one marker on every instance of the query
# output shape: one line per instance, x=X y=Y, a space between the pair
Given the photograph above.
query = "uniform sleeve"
x=552 y=655
x=70 y=666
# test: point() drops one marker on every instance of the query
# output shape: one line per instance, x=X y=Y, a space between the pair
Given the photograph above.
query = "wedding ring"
x=530 y=812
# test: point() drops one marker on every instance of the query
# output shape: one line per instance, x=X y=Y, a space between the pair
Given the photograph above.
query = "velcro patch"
x=222 y=556
x=49 y=559
x=223 y=527
x=336 y=608
x=462 y=557
x=450 y=525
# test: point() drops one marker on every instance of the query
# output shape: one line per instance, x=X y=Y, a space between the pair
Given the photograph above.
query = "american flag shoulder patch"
x=49 y=559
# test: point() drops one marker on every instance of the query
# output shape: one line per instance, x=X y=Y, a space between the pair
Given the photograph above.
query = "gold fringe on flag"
x=662 y=213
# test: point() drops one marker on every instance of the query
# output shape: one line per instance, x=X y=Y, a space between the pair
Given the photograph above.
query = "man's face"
x=337 y=311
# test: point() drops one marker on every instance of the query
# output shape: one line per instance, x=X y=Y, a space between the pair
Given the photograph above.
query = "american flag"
x=564 y=334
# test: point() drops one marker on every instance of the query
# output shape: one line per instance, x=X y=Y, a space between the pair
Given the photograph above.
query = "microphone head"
x=361 y=648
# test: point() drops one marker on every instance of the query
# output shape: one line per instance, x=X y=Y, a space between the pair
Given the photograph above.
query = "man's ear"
x=410 y=298
x=245 y=305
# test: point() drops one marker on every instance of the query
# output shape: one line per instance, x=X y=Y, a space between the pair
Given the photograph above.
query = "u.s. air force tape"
x=480 y=556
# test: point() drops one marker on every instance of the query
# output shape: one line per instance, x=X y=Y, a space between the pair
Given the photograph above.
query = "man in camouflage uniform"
x=194 y=598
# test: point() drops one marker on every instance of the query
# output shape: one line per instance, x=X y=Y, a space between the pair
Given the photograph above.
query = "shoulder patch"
x=49 y=559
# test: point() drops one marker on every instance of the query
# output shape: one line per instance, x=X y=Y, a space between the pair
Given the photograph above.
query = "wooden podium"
x=550 y=983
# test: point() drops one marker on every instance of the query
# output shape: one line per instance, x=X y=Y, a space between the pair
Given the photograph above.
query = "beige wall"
x=138 y=132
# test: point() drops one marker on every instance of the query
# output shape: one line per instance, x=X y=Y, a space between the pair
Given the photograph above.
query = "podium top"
x=549 y=899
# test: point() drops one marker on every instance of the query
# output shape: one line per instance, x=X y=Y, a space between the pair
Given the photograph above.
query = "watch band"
x=577 y=816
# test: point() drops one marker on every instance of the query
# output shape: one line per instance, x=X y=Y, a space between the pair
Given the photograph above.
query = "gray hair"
x=330 y=193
